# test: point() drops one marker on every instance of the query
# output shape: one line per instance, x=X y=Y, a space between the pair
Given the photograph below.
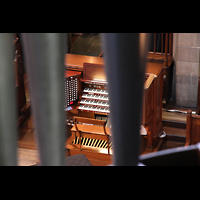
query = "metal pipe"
x=181 y=156
x=44 y=57
x=125 y=62
x=8 y=112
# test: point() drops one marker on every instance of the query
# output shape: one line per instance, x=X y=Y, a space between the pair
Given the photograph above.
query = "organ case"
x=152 y=103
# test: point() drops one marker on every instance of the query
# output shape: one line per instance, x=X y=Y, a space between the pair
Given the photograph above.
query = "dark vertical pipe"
x=162 y=35
x=188 y=127
x=182 y=156
x=154 y=42
x=125 y=61
x=8 y=114
x=170 y=44
x=44 y=57
x=166 y=50
x=198 y=98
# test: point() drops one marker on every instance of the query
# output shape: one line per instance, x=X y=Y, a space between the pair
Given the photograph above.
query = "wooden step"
x=173 y=119
x=90 y=152
x=175 y=124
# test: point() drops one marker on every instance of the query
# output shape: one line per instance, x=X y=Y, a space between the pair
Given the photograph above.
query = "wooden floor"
x=174 y=125
x=180 y=117
x=27 y=147
x=169 y=141
x=28 y=153
x=27 y=157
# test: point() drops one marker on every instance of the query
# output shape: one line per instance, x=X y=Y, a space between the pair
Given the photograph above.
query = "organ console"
x=90 y=99
x=94 y=90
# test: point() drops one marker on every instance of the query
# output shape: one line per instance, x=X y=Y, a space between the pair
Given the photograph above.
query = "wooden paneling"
x=93 y=71
x=75 y=62
x=152 y=104
x=192 y=128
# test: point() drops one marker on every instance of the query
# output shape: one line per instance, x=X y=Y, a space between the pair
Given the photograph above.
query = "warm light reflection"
x=105 y=151
x=143 y=40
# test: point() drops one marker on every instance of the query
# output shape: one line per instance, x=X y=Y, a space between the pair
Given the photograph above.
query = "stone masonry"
x=186 y=48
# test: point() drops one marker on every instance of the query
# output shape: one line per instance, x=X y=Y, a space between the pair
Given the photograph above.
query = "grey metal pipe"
x=44 y=57
x=125 y=61
x=8 y=114
x=182 y=156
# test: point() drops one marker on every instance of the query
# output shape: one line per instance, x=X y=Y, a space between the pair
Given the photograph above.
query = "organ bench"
x=89 y=136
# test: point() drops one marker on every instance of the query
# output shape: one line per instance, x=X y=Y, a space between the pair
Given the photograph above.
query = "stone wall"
x=186 y=55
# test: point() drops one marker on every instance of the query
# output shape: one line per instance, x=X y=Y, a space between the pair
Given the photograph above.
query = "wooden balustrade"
x=161 y=43
x=161 y=50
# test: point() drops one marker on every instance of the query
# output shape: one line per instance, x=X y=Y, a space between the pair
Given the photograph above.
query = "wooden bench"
x=89 y=128
x=192 y=128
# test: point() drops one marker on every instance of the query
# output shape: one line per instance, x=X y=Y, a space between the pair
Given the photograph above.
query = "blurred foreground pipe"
x=181 y=156
x=8 y=114
x=44 y=57
x=125 y=61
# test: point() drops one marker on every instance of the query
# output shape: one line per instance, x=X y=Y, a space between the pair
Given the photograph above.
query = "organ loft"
x=93 y=100
x=111 y=111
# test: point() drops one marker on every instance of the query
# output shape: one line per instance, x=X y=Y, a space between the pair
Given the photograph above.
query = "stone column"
x=186 y=55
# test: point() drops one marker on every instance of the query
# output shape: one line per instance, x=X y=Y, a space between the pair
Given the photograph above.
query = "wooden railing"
x=162 y=44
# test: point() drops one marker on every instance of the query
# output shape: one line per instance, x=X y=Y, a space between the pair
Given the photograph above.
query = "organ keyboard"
x=94 y=100
x=94 y=92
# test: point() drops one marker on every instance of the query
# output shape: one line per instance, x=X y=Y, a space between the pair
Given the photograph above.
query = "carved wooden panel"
x=195 y=131
x=148 y=104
